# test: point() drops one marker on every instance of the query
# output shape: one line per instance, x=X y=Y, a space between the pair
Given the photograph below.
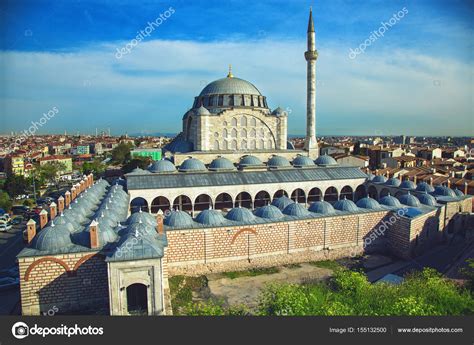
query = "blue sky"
x=417 y=79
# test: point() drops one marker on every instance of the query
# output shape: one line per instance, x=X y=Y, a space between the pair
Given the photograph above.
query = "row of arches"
x=373 y=193
x=251 y=144
x=224 y=201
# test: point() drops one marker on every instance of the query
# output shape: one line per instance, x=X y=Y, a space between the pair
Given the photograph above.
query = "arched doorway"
x=314 y=195
x=243 y=199
x=298 y=196
x=223 y=201
x=137 y=299
x=183 y=203
x=331 y=194
x=202 y=202
x=373 y=192
x=138 y=204
x=347 y=193
x=279 y=194
x=360 y=192
x=261 y=199
x=160 y=203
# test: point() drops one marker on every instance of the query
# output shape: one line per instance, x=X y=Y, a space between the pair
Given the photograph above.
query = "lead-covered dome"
x=368 y=203
x=240 y=214
x=220 y=164
x=322 y=207
x=268 y=212
x=192 y=164
x=346 y=205
x=409 y=200
x=424 y=187
x=229 y=86
x=278 y=162
x=162 y=166
x=210 y=217
x=302 y=161
x=325 y=160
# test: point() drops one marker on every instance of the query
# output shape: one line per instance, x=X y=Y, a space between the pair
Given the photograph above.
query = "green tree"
x=96 y=167
x=5 y=201
x=121 y=153
x=50 y=172
x=16 y=185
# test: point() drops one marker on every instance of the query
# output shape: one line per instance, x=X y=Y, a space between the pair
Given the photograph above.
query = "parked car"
x=17 y=220
x=8 y=283
x=5 y=226
x=5 y=218
x=20 y=209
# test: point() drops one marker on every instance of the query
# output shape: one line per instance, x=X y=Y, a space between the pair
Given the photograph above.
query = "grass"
x=181 y=289
x=292 y=266
x=251 y=273
x=328 y=264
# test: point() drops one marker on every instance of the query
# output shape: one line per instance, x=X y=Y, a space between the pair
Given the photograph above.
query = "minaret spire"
x=311 y=55
x=230 y=75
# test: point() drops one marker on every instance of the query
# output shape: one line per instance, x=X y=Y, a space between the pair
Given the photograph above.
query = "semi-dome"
x=407 y=184
x=393 y=182
x=390 y=201
x=302 y=161
x=279 y=112
x=295 y=209
x=409 y=200
x=179 y=144
x=178 y=219
x=346 y=205
x=268 y=212
x=424 y=187
x=210 y=217
x=240 y=214
x=458 y=192
x=444 y=191
x=325 y=160
x=427 y=199
x=249 y=161
x=368 y=203
x=379 y=179
x=192 y=164
x=282 y=202
x=278 y=162
x=322 y=207
x=230 y=86
x=162 y=166
x=138 y=171
x=54 y=238
x=221 y=163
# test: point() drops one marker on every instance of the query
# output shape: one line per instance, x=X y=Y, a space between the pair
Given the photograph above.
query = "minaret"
x=311 y=144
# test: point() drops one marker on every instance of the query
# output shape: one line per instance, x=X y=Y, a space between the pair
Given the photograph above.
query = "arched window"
x=216 y=145
x=253 y=122
x=261 y=133
x=262 y=199
x=360 y=192
x=234 y=133
x=347 y=193
x=331 y=194
x=160 y=203
x=137 y=299
x=243 y=121
x=270 y=144
x=138 y=204
x=261 y=144
x=244 y=145
x=314 y=195
x=182 y=203
x=225 y=124
x=253 y=133
x=243 y=133
x=233 y=146
x=233 y=122
x=224 y=133
x=243 y=199
x=202 y=202
x=223 y=201
x=298 y=196
x=253 y=145
x=373 y=192
x=226 y=145
x=221 y=100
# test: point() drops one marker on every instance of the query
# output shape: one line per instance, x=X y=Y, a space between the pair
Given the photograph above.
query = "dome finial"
x=230 y=75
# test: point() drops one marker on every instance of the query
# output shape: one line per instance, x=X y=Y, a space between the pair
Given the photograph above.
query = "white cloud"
x=379 y=92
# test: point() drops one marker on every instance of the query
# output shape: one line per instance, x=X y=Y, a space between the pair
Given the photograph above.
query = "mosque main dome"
x=230 y=86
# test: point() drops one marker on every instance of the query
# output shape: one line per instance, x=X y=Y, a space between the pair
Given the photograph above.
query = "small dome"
x=302 y=161
x=368 y=203
x=249 y=161
x=407 y=184
x=178 y=219
x=162 y=166
x=268 y=212
x=62 y=220
x=282 y=202
x=325 y=160
x=427 y=199
x=424 y=187
x=143 y=217
x=409 y=200
x=210 y=217
x=240 y=214
x=138 y=171
x=390 y=201
x=322 y=207
x=296 y=210
x=346 y=205
x=221 y=163
x=279 y=112
x=444 y=191
x=458 y=193
x=201 y=111
x=393 y=182
x=278 y=162
x=54 y=238
x=379 y=179
x=192 y=164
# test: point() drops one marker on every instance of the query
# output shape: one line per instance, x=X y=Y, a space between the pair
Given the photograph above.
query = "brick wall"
x=63 y=283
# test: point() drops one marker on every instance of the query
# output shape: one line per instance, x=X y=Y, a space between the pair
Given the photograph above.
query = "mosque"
x=230 y=194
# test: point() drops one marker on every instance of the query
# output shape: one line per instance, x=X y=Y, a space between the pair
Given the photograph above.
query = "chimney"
x=465 y=188
x=91 y=179
x=31 y=230
x=376 y=172
x=449 y=183
x=53 y=210
x=43 y=218
x=414 y=179
x=431 y=181
x=60 y=204
x=159 y=221
x=73 y=193
x=83 y=186
x=94 y=234
x=68 y=198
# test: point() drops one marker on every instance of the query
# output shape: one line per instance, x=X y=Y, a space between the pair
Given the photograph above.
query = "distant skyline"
x=415 y=80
